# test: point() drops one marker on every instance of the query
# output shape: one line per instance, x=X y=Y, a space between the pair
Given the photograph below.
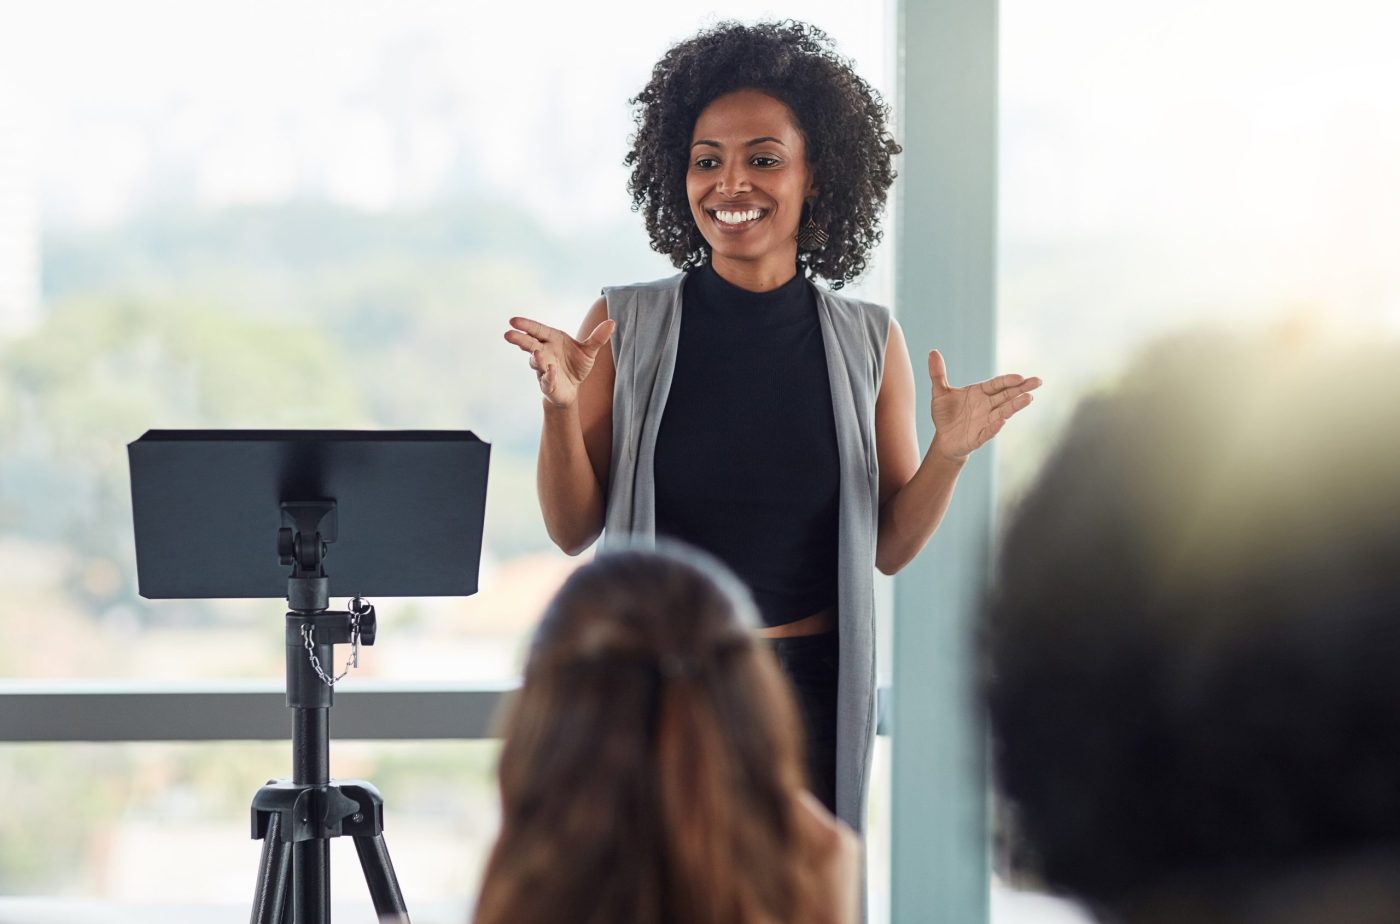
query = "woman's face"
x=748 y=178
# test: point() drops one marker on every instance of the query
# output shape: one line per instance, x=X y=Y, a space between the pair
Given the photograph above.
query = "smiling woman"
x=840 y=121
x=742 y=408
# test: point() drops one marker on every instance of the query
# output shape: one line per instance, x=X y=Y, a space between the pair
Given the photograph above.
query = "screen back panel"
x=207 y=505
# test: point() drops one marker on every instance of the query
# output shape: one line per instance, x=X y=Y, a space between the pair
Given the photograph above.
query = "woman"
x=775 y=426
x=650 y=771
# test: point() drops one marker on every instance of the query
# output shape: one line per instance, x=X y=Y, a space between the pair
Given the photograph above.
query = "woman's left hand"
x=965 y=418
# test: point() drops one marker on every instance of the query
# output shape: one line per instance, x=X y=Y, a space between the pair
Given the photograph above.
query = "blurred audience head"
x=650 y=761
x=1193 y=642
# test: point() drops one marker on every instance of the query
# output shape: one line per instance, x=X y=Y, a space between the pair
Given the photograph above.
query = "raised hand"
x=969 y=416
x=560 y=362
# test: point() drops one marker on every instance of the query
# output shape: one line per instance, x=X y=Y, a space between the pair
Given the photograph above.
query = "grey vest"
x=644 y=350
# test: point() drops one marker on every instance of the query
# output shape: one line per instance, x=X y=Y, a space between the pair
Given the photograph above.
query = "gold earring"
x=809 y=235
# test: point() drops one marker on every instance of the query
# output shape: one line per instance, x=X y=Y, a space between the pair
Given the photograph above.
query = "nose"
x=734 y=179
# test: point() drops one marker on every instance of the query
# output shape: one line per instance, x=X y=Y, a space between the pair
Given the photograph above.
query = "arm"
x=914 y=494
x=576 y=380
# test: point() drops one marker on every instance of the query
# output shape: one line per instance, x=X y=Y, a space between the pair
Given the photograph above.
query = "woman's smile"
x=733 y=220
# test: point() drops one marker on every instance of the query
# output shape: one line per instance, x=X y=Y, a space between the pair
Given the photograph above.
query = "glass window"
x=1166 y=165
x=287 y=215
x=293 y=215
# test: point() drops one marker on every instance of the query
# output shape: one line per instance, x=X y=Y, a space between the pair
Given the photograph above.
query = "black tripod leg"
x=274 y=873
x=311 y=882
x=384 y=888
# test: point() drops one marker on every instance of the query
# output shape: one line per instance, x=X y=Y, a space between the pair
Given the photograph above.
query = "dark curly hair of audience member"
x=842 y=119
x=1192 y=651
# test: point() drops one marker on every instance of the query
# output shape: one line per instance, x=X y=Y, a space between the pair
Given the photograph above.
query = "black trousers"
x=810 y=663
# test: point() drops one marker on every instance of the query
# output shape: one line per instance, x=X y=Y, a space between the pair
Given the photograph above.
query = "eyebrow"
x=716 y=144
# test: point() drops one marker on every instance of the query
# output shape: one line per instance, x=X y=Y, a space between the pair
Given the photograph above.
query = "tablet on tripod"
x=280 y=514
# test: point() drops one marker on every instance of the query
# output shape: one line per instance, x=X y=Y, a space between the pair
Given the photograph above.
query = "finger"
x=600 y=334
x=547 y=380
x=524 y=341
x=1001 y=383
x=1017 y=388
x=938 y=371
x=542 y=332
x=1011 y=381
x=1017 y=403
x=537 y=362
x=1014 y=392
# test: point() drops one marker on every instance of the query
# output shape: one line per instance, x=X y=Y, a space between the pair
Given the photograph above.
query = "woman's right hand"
x=561 y=363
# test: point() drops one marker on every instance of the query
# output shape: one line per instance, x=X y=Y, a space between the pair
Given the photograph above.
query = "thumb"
x=938 y=372
x=600 y=335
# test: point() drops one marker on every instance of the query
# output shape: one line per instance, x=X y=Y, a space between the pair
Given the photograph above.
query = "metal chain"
x=358 y=607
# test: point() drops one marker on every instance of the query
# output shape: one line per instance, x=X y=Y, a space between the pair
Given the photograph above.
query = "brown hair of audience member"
x=1192 y=651
x=651 y=759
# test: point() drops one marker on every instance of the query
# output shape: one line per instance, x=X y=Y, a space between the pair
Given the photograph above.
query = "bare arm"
x=576 y=380
x=914 y=494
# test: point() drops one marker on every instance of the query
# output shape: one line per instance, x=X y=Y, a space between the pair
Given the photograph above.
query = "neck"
x=756 y=275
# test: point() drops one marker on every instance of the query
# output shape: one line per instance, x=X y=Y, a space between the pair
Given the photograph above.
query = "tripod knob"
x=363 y=611
x=286 y=547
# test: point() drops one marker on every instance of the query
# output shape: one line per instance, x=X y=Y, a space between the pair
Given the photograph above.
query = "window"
x=291 y=215
x=1172 y=165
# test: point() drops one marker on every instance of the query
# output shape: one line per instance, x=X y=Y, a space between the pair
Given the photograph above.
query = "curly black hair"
x=1192 y=656
x=841 y=117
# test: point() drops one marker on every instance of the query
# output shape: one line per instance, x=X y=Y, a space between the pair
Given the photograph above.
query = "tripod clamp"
x=362 y=627
x=293 y=812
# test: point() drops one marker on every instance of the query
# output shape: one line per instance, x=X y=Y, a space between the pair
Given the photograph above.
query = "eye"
x=706 y=163
x=765 y=160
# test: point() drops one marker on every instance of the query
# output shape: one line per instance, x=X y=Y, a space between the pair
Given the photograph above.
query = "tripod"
x=204 y=505
x=295 y=819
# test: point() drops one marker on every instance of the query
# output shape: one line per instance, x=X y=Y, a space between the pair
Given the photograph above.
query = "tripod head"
x=304 y=542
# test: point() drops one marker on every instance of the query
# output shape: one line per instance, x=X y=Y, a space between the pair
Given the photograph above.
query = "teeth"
x=737 y=218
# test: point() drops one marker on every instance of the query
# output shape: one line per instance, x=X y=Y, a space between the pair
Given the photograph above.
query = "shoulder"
x=657 y=289
x=831 y=856
x=855 y=310
x=641 y=310
x=859 y=322
x=642 y=301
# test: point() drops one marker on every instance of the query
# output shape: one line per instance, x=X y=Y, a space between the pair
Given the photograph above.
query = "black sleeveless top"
x=746 y=464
